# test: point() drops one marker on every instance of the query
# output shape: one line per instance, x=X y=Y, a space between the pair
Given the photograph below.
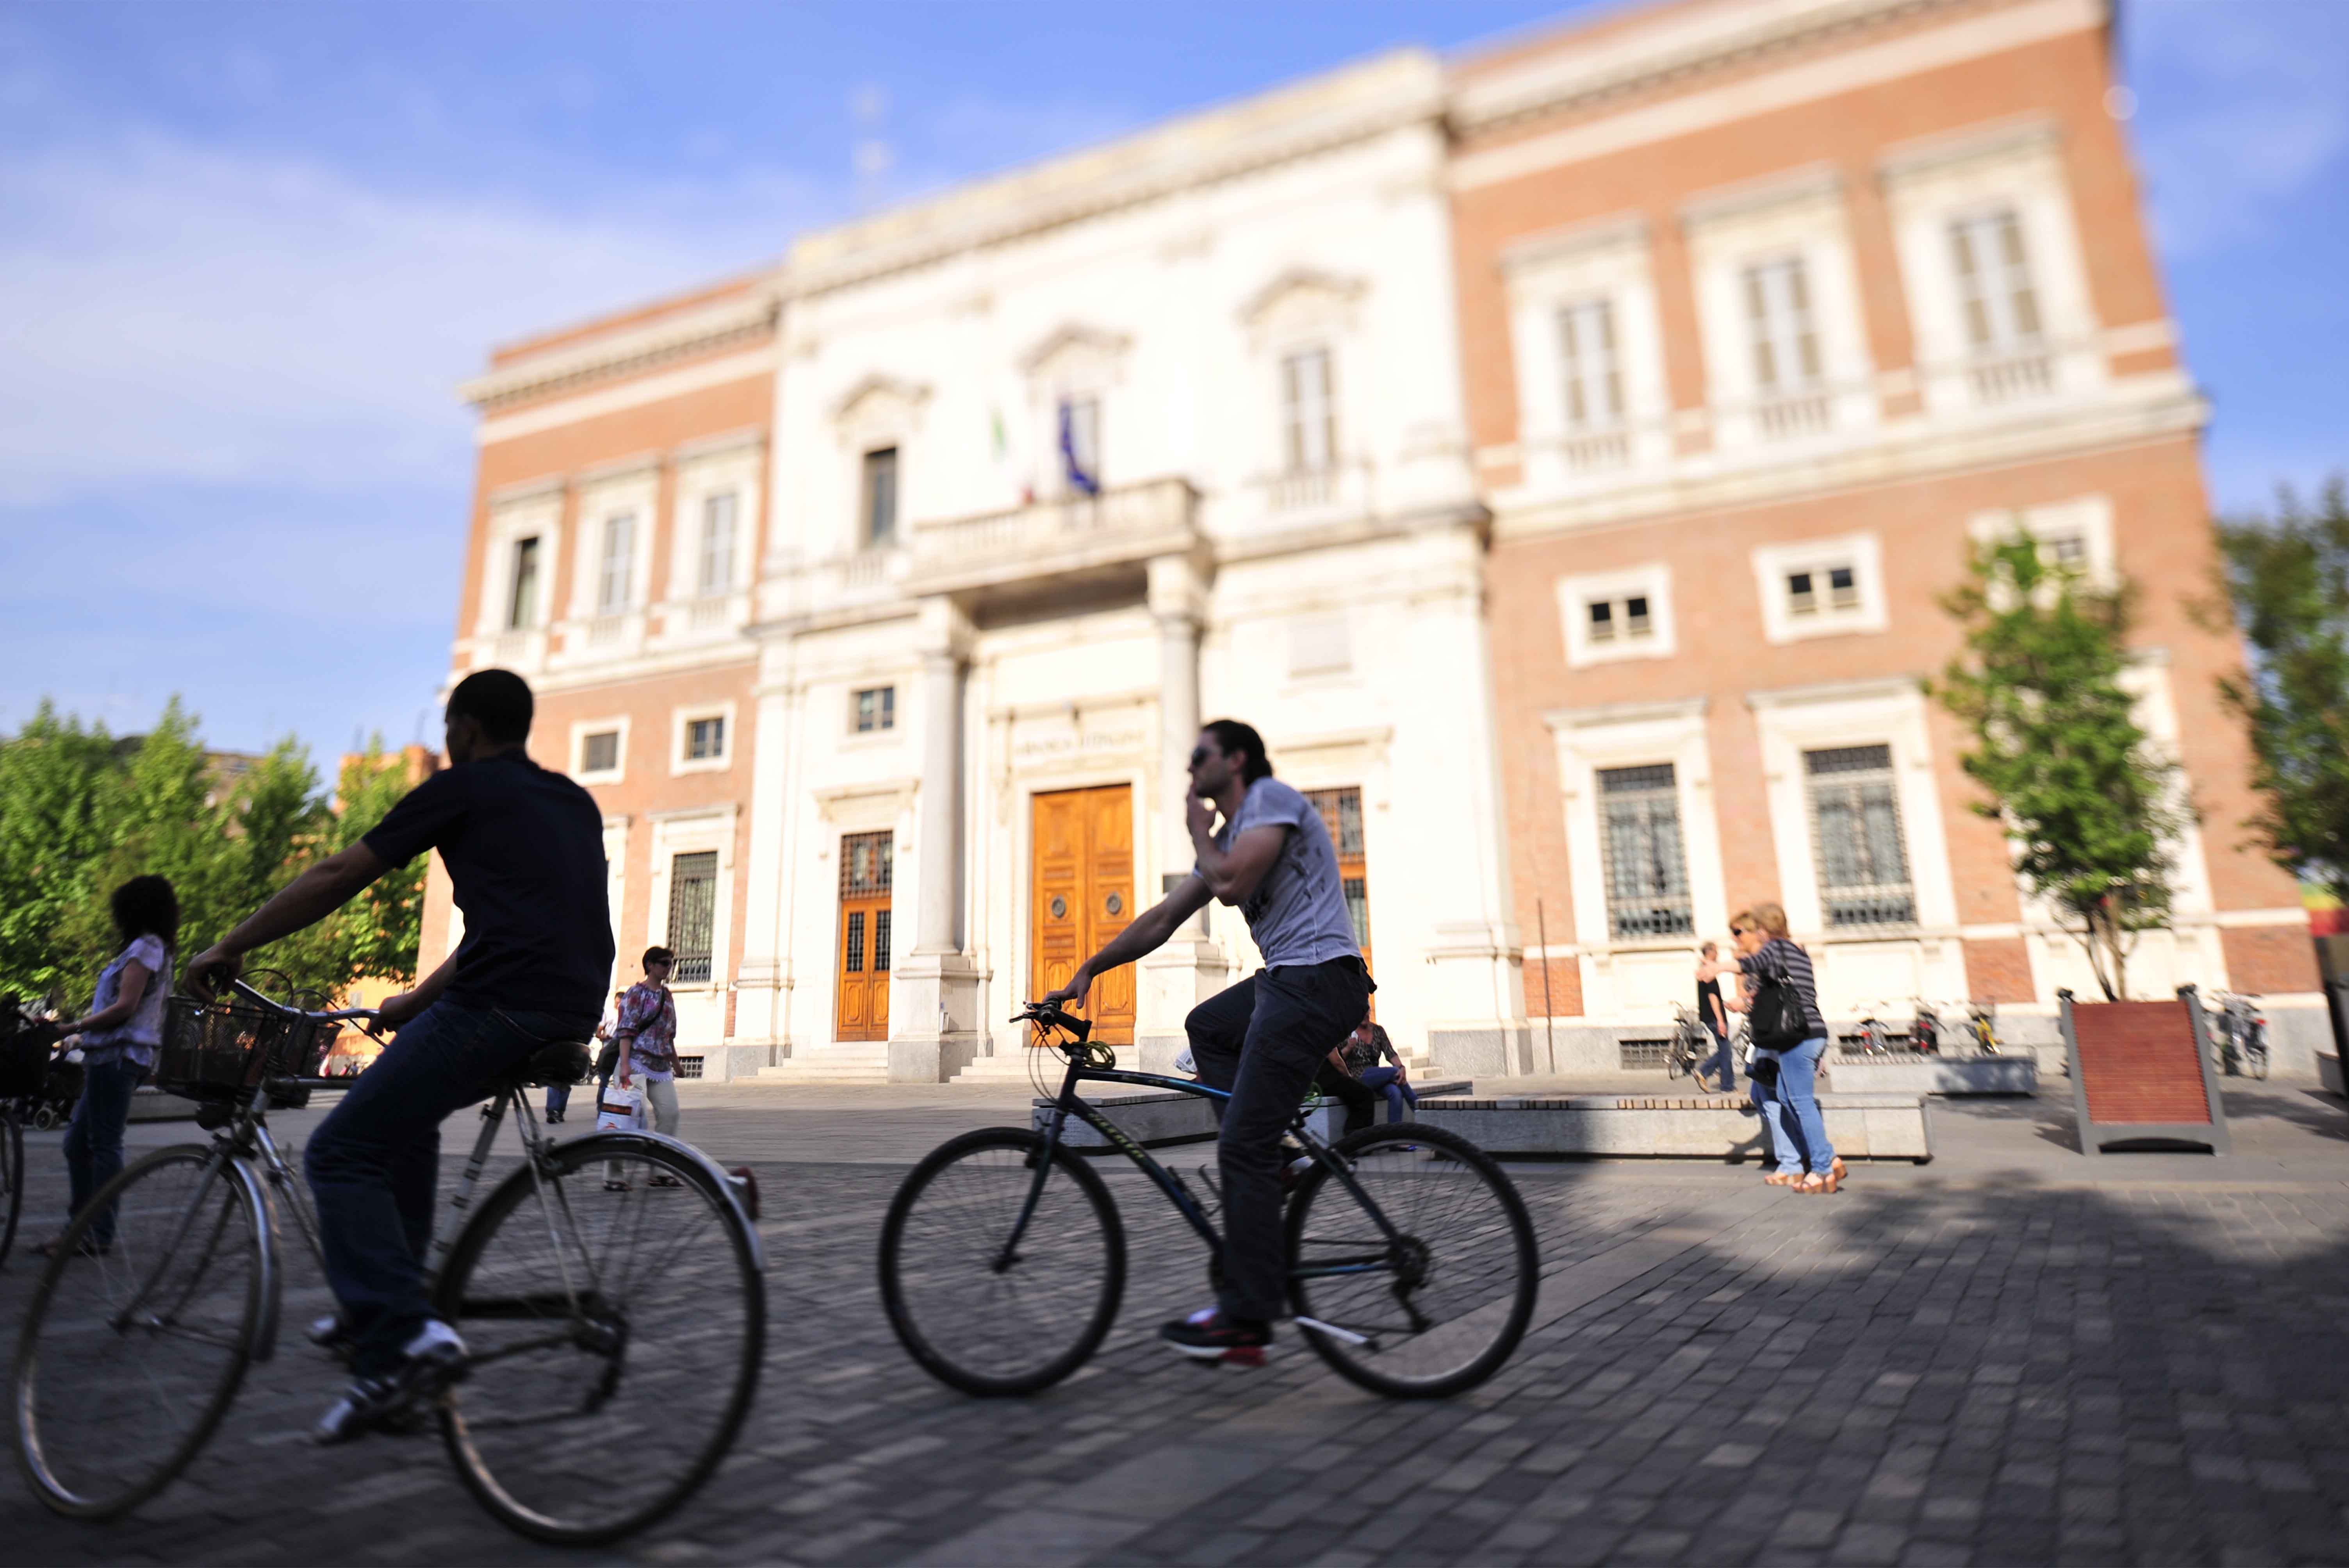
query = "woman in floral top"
x=646 y=1035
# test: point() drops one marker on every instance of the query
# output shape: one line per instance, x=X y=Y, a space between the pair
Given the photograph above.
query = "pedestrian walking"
x=1790 y=1036
x=558 y=1095
x=1723 y=1061
x=647 y=1038
x=119 y=1037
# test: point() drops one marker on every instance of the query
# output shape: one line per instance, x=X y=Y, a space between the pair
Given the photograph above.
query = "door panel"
x=1082 y=876
x=866 y=867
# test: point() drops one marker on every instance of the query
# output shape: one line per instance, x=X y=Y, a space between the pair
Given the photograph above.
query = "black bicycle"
x=609 y=1289
x=1412 y=1265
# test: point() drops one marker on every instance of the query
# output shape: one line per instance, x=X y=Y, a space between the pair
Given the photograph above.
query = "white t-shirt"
x=1298 y=912
x=136 y=1037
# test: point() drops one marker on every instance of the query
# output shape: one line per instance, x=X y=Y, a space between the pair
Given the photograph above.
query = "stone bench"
x=1718 y=1127
x=1909 y=1073
x=1153 y=1117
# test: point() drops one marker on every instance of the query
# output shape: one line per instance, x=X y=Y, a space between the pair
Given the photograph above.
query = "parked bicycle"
x=1693 y=1045
x=2239 y=1035
x=1873 y=1037
x=1925 y=1031
x=1412 y=1265
x=609 y=1334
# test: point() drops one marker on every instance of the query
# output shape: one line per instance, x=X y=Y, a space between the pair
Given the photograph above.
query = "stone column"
x=1190 y=967
x=933 y=989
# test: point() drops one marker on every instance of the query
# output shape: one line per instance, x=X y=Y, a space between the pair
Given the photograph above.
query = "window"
x=875 y=709
x=522 y=603
x=692 y=913
x=1639 y=840
x=1856 y=829
x=717 y=566
x=1309 y=412
x=1778 y=318
x=1625 y=618
x=619 y=563
x=705 y=738
x=2001 y=309
x=880 y=503
x=1080 y=445
x=1804 y=596
x=600 y=752
x=1342 y=813
x=1594 y=382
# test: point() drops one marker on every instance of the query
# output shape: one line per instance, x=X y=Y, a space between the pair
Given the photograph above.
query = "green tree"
x=2081 y=792
x=379 y=932
x=2287 y=580
x=60 y=792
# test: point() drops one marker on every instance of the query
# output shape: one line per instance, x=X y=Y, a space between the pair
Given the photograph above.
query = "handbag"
x=1778 y=1019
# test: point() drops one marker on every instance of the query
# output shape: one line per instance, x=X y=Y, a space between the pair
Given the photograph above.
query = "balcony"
x=2014 y=377
x=1789 y=417
x=1081 y=536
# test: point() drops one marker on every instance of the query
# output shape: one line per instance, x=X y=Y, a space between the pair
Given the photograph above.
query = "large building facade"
x=1557 y=453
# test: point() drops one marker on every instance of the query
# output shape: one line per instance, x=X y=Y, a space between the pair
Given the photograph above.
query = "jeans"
x=1263 y=1040
x=1399 y=1093
x=558 y=1096
x=1798 y=1133
x=1723 y=1061
x=374 y=1163
x=94 y=1141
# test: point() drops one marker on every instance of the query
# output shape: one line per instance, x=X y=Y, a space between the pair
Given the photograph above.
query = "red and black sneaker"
x=1209 y=1336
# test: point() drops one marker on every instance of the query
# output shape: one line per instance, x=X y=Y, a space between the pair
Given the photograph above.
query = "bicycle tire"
x=70 y=1362
x=936 y=1273
x=2256 y=1058
x=12 y=1172
x=1502 y=1307
x=497 y=1276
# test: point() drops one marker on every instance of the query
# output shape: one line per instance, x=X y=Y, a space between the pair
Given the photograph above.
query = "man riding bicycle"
x=1264 y=1039
x=524 y=851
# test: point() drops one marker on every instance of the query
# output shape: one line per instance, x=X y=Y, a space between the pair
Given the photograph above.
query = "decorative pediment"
x=1301 y=300
x=1075 y=352
x=880 y=400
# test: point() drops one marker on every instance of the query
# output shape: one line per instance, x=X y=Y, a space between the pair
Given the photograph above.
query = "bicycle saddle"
x=563 y=1062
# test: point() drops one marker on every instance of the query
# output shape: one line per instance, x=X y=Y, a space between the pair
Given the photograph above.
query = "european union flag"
x=1071 y=462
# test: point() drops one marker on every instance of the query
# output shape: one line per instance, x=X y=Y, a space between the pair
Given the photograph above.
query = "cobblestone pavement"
x=2011 y=1356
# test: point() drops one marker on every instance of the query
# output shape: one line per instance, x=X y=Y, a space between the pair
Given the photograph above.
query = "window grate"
x=867 y=864
x=1640 y=840
x=688 y=1067
x=1857 y=841
x=692 y=913
x=1639 y=1055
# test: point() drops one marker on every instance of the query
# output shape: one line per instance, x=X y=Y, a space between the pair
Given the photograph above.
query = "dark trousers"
x=375 y=1162
x=1723 y=1060
x=558 y=1095
x=1362 y=1105
x=1263 y=1040
x=94 y=1141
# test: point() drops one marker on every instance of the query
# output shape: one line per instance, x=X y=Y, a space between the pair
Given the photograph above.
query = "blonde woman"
x=1798 y=1133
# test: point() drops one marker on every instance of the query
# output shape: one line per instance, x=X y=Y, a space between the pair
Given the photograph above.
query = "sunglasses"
x=1199 y=758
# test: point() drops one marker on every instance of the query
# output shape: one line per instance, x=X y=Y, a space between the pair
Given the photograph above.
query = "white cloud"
x=2245 y=113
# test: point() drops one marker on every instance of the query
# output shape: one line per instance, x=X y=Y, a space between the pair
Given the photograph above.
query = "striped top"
x=1780 y=961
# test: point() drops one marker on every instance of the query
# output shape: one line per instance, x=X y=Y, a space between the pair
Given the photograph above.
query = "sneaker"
x=428 y=1362
x=1208 y=1336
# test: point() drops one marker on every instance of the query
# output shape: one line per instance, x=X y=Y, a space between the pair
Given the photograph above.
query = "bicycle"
x=1693 y=1045
x=1874 y=1038
x=1925 y=1036
x=1413 y=1263
x=134 y=1348
x=2239 y=1035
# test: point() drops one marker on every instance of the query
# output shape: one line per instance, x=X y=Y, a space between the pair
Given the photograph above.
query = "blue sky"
x=247 y=251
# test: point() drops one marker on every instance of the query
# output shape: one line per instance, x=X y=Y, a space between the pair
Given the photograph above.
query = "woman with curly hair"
x=119 y=1037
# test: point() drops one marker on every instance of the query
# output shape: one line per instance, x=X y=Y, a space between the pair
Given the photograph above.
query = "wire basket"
x=222 y=1050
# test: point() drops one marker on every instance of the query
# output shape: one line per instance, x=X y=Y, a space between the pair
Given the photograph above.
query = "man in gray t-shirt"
x=1262 y=1040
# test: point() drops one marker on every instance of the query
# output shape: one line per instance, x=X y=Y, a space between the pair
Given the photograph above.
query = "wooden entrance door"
x=867 y=864
x=1081 y=872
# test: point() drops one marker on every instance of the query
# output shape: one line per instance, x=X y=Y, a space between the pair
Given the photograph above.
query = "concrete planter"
x=1152 y=1120
x=2328 y=1073
x=1863 y=1126
x=1937 y=1075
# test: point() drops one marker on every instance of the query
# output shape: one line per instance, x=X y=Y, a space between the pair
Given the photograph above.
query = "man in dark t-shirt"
x=524 y=852
x=1722 y=1061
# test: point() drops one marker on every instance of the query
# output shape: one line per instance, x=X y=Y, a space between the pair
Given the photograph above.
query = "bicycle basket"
x=222 y=1050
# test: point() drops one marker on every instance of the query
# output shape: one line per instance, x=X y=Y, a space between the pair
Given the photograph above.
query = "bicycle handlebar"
x=341 y=1016
x=1049 y=1013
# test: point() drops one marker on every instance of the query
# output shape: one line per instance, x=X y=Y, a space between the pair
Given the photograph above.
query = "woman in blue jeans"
x=119 y=1041
x=1798 y=1133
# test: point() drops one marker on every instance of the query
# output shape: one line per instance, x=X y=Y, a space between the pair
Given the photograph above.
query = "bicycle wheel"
x=2255 y=1058
x=12 y=1178
x=1437 y=1310
x=1680 y=1061
x=128 y=1360
x=613 y=1338
x=976 y=1319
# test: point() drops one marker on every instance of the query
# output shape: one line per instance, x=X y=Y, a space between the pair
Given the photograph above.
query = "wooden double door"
x=1080 y=874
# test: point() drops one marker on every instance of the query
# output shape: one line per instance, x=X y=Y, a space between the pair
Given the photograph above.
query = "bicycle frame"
x=1069 y=1103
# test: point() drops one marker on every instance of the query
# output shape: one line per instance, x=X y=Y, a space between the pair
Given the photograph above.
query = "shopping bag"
x=620 y=1110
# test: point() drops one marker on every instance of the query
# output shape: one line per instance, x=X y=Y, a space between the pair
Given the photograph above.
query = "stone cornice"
x=1402 y=88
x=1669 y=48
x=726 y=325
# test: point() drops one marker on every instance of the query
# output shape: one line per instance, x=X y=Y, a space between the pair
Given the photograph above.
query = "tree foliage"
x=2287 y=580
x=82 y=811
x=2083 y=794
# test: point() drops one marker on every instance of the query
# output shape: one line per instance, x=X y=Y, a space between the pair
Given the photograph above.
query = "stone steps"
x=1010 y=1066
x=832 y=1062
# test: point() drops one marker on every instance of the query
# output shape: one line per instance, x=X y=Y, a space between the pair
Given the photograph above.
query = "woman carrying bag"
x=1781 y=1003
